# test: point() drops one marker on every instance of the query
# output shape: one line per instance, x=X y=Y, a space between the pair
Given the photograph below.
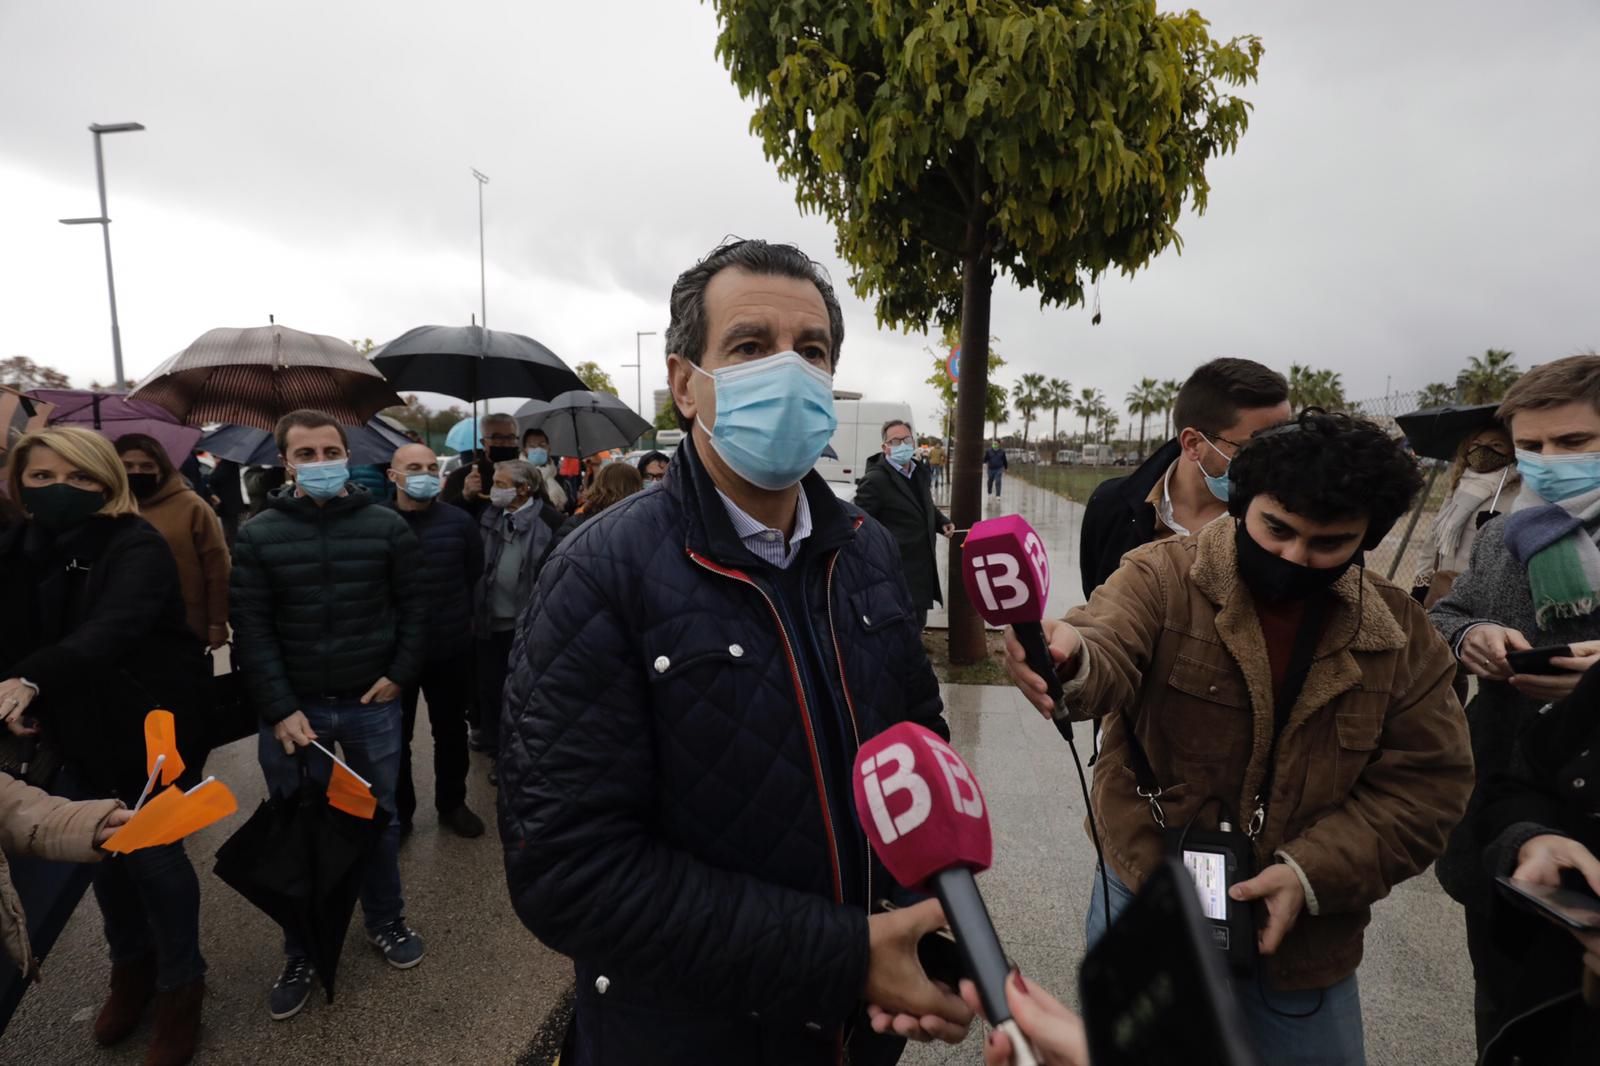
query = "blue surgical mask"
x=1559 y=477
x=422 y=486
x=322 y=481
x=901 y=454
x=1220 y=486
x=538 y=456
x=774 y=418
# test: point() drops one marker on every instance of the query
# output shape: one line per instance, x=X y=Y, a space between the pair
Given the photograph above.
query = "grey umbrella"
x=473 y=363
x=253 y=377
x=529 y=415
x=581 y=423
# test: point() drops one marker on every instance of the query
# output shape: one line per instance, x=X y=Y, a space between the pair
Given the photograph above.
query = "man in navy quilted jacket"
x=690 y=685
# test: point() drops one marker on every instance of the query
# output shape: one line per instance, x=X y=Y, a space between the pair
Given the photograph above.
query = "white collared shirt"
x=764 y=542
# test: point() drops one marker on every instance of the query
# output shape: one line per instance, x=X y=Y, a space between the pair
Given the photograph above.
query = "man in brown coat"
x=1273 y=684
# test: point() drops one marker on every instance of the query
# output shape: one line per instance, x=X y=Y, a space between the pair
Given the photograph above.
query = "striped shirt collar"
x=764 y=542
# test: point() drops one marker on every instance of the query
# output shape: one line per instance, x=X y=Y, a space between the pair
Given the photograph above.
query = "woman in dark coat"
x=94 y=637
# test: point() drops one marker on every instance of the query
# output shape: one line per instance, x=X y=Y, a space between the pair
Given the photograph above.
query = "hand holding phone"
x=1537 y=660
x=1571 y=908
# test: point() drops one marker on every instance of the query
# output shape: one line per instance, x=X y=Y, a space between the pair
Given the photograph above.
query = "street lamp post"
x=483 y=288
x=104 y=221
x=638 y=373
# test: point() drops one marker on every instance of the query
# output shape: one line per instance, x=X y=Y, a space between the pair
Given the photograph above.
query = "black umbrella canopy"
x=1436 y=432
x=582 y=423
x=372 y=443
x=472 y=363
x=301 y=862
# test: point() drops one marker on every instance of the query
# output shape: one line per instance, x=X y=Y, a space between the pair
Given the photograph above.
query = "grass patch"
x=1076 y=483
x=990 y=670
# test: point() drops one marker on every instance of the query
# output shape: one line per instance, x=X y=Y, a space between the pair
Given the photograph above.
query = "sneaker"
x=292 y=988
x=402 y=948
x=462 y=822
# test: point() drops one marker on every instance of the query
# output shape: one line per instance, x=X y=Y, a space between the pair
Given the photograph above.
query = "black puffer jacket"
x=95 y=618
x=671 y=815
x=452 y=564
x=325 y=600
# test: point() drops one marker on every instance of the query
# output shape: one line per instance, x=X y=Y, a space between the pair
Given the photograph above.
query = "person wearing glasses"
x=1184 y=485
x=468 y=484
x=653 y=465
x=898 y=491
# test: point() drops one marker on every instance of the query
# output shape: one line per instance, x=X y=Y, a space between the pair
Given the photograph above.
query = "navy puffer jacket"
x=452 y=565
x=670 y=817
x=325 y=600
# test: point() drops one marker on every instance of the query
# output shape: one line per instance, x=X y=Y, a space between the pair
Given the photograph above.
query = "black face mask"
x=1272 y=579
x=144 y=486
x=503 y=453
x=60 y=507
x=1483 y=459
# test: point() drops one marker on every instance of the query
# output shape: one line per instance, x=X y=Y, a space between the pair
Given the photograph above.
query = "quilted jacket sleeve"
x=250 y=610
x=410 y=604
x=588 y=873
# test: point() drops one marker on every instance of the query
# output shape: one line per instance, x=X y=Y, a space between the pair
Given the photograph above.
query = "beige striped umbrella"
x=253 y=377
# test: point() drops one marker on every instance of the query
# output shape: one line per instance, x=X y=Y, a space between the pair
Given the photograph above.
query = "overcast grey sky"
x=1417 y=185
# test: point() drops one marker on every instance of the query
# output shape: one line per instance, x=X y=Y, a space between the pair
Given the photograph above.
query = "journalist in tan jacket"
x=1187 y=644
x=37 y=824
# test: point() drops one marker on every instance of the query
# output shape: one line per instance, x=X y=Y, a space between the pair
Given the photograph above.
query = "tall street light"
x=638 y=374
x=483 y=288
x=104 y=222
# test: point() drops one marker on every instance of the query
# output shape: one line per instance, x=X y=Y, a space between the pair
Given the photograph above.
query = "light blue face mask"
x=1220 y=486
x=422 y=486
x=1559 y=477
x=901 y=454
x=774 y=418
x=538 y=456
x=322 y=481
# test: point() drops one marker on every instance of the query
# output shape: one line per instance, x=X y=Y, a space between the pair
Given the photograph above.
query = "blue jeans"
x=369 y=740
x=995 y=475
x=1330 y=1036
x=150 y=902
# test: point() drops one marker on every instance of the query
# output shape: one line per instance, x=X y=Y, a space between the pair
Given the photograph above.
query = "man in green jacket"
x=330 y=624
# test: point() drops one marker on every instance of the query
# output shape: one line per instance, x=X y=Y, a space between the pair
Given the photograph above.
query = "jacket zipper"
x=327 y=600
x=849 y=703
x=805 y=717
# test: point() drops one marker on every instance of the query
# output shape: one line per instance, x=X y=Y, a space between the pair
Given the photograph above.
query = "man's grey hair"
x=523 y=474
x=500 y=418
x=887 y=426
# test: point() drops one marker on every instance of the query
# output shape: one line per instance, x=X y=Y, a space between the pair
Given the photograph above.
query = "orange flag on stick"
x=161 y=738
x=348 y=791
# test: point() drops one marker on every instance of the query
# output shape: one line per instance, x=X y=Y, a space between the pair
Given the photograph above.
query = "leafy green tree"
x=1438 y=394
x=594 y=379
x=951 y=140
x=1487 y=377
x=667 y=418
x=995 y=406
x=1309 y=387
x=23 y=374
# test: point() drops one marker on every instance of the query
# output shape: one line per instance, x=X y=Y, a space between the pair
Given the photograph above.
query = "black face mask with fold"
x=1272 y=579
x=503 y=453
x=144 y=486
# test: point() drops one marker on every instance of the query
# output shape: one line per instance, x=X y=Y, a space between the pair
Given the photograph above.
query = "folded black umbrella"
x=472 y=363
x=1436 y=432
x=301 y=862
x=372 y=443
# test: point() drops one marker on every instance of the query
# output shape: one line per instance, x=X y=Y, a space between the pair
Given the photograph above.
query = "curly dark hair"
x=1328 y=467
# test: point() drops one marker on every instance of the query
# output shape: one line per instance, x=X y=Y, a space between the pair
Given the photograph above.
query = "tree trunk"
x=967 y=642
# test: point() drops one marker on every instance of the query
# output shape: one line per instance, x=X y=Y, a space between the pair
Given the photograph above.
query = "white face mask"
x=503 y=498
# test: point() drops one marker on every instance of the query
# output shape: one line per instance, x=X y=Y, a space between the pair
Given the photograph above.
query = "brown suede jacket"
x=1373 y=768
x=33 y=822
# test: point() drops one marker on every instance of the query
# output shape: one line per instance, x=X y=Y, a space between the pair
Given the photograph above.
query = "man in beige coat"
x=1273 y=683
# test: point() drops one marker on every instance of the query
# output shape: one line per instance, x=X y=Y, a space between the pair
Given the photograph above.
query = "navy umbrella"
x=1436 y=432
x=373 y=443
x=472 y=363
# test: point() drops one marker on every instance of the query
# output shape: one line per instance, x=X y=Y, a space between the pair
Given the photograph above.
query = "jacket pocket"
x=877 y=608
x=1214 y=721
x=672 y=662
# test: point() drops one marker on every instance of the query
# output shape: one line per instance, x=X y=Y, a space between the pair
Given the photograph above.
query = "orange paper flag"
x=348 y=791
x=161 y=738
x=172 y=815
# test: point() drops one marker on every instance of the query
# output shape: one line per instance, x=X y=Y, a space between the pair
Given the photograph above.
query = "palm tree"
x=1144 y=400
x=1108 y=424
x=1437 y=394
x=1086 y=407
x=1487 y=377
x=1058 y=395
x=1315 y=388
x=1169 y=399
x=1030 y=397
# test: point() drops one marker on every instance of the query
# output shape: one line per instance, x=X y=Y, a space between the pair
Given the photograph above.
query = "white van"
x=858 y=438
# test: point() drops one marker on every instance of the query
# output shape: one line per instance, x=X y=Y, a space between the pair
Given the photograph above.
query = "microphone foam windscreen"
x=920 y=805
x=1006 y=570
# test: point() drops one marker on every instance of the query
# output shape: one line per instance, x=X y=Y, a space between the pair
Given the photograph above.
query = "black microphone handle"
x=980 y=950
x=1031 y=636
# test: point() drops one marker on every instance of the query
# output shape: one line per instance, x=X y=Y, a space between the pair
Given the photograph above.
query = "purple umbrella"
x=112 y=414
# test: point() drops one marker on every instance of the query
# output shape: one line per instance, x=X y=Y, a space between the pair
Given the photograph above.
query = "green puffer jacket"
x=325 y=600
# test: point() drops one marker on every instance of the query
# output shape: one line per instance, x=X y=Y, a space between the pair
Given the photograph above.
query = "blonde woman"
x=1483 y=482
x=92 y=638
